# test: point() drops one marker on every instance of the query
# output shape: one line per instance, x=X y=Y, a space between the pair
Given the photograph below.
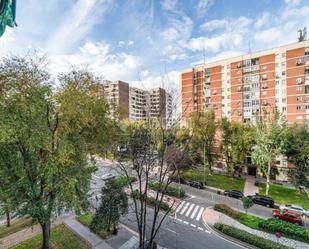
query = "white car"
x=108 y=176
x=295 y=208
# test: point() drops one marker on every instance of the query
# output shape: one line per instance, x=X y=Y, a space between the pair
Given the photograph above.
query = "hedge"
x=227 y=210
x=151 y=201
x=123 y=181
x=248 y=237
x=171 y=191
x=285 y=228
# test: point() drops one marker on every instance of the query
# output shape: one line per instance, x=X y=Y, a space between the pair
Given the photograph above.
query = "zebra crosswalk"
x=190 y=210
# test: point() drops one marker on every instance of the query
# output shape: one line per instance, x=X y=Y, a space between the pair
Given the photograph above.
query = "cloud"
x=292 y=2
x=213 y=25
x=123 y=44
x=98 y=58
x=203 y=6
x=76 y=23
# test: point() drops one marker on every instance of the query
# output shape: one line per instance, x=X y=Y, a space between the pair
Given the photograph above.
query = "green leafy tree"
x=297 y=151
x=49 y=136
x=270 y=137
x=114 y=203
x=237 y=142
x=247 y=203
x=203 y=127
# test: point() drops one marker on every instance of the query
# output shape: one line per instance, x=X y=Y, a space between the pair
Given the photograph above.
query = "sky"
x=148 y=42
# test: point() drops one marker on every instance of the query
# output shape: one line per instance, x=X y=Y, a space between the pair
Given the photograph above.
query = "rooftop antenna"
x=302 y=34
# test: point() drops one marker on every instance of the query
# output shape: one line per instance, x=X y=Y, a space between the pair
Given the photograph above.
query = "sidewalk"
x=210 y=217
x=250 y=188
x=92 y=239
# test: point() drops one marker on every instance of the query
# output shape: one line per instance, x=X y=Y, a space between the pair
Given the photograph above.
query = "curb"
x=225 y=237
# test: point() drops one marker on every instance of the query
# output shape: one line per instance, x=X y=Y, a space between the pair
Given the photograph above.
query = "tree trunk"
x=8 y=219
x=268 y=177
x=46 y=234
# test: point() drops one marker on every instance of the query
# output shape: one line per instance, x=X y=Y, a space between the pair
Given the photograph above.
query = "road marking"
x=189 y=210
x=180 y=220
x=171 y=230
x=192 y=225
x=186 y=222
x=185 y=208
x=200 y=228
x=180 y=206
x=194 y=212
x=206 y=231
x=199 y=214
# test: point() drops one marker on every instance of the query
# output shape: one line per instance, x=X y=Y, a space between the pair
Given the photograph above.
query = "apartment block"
x=244 y=87
x=138 y=104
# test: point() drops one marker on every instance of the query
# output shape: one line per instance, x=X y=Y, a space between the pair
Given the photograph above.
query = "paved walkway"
x=210 y=217
x=250 y=188
x=92 y=239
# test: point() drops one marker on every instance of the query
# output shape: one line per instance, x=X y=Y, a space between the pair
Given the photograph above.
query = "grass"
x=16 y=225
x=86 y=219
x=249 y=220
x=171 y=191
x=61 y=238
x=285 y=195
x=214 y=180
x=123 y=181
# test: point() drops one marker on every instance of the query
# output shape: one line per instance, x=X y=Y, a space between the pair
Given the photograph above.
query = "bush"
x=123 y=181
x=285 y=228
x=227 y=210
x=248 y=237
x=171 y=191
x=151 y=201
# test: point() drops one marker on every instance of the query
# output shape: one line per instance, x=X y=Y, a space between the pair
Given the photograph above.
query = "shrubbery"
x=123 y=181
x=248 y=237
x=171 y=191
x=227 y=210
x=150 y=200
x=285 y=228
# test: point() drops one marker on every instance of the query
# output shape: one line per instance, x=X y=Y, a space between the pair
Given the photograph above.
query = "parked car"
x=296 y=209
x=108 y=176
x=177 y=179
x=194 y=184
x=233 y=193
x=287 y=216
x=263 y=200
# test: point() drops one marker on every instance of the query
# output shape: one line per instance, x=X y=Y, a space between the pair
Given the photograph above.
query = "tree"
x=237 y=142
x=297 y=151
x=247 y=203
x=270 y=134
x=49 y=136
x=203 y=127
x=114 y=203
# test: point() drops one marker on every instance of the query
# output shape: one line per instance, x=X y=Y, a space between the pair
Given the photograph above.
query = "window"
x=277 y=82
x=298 y=107
x=307 y=107
x=307 y=52
x=264 y=76
x=283 y=64
x=283 y=82
x=264 y=68
x=283 y=73
x=306 y=70
x=283 y=100
x=264 y=93
x=298 y=61
x=283 y=55
x=277 y=91
x=298 y=89
x=284 y=109
x=299 y=99
x=277 y=65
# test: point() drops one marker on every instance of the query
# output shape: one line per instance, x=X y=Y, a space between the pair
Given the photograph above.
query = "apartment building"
x=138 y=104
x=243 y=87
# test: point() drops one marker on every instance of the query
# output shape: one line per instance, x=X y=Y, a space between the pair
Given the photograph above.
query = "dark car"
x=177 y=179
x=263 y=200
x=194 y=184
x=233 y=193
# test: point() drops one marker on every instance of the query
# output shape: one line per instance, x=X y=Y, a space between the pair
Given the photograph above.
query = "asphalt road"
x=185 y=234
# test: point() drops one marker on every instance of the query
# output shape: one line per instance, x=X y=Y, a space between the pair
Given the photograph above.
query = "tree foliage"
x=114 y=203
x=270 y=137
x=237 y=142
x=247 y=202
x=203 y=128
x=297 y=151
x=48 y=135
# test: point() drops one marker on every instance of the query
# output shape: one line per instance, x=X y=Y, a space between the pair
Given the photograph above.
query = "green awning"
x=7 y=14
